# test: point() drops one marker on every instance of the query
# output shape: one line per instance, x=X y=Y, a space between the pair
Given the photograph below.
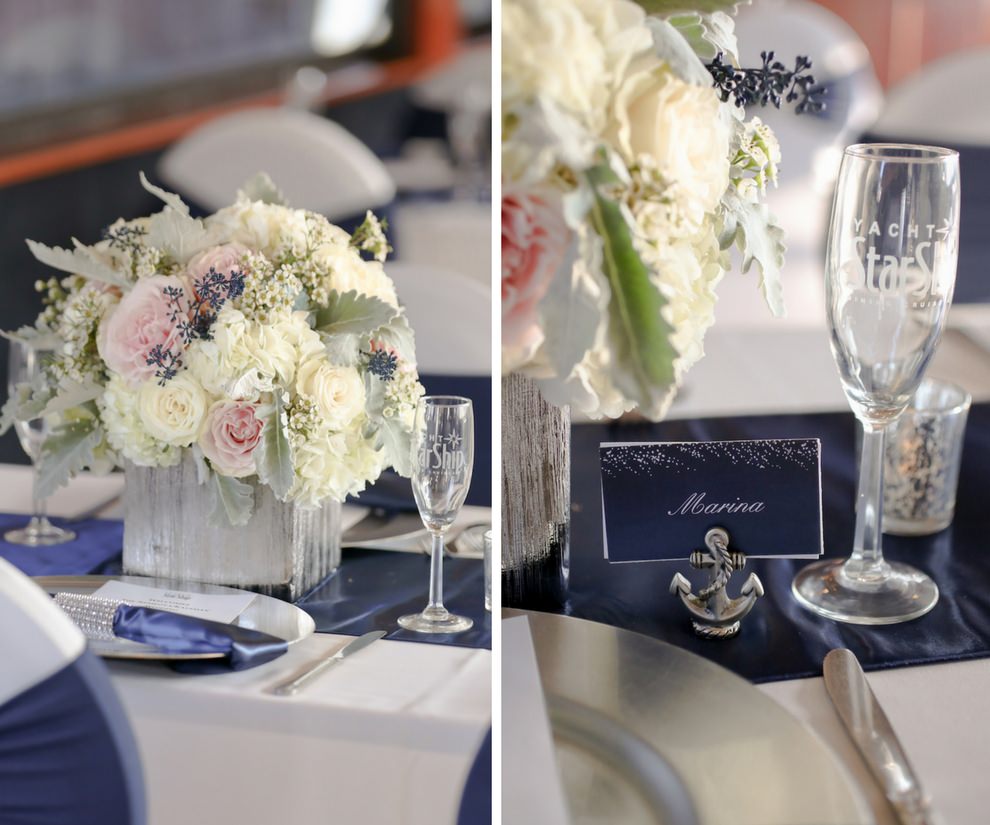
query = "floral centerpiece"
x=262 y=342
x=630 y=170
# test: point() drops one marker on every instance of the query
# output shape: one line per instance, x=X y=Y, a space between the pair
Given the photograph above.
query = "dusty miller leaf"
x=708 y=35
x=751 y=227
x=399 y=336
x=669 y=44
x=178 y=235
x=397 y=442
x=169 y=198
x=33 y=337
x=232 y=501
x=274 y=456
x=262 y=188
x=353 y=313
x=77 y=262
x=26 y=401
x=72 y=394
x=67 y=450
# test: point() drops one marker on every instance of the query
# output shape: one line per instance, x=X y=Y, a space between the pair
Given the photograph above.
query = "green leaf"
x=640 y=335
x=708 y=35
x=751 y=227
x=665 y=8
x=353 y=313
x=262 y=188
x=78 y=261
x=67 y=450
x=274 y=456
x=169 y=198
x=232 y=500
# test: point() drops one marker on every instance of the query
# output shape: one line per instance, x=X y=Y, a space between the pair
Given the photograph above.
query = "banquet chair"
x=316 y=163
x=67 y=755
x=941 y=101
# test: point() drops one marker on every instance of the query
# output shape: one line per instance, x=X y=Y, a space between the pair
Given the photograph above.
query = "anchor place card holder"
x=745 y=499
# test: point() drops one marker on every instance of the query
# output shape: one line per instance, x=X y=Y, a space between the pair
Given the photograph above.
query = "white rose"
x=347 y=271
x=337 y=391
x=678 y=125
x=173 y=413
x=125 y=430
x=569 y=52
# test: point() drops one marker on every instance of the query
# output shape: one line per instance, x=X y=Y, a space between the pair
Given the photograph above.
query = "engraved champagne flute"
x=890 y=269
x=443 y=457
x=24 y=366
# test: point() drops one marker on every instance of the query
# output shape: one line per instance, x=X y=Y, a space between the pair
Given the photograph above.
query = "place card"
x=659 y=499
x=215 y=607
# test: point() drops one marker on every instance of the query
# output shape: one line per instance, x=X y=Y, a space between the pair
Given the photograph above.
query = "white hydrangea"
x=270 y=229
x=126 y=432
x=346 y=270
x=333 y=466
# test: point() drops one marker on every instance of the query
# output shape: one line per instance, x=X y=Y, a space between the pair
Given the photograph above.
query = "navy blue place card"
x=659 y=499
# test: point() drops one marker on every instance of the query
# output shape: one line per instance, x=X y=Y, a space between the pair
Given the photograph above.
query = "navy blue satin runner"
x=779 y=639
x=372 y=588
x=97 y=541
x=67 y=754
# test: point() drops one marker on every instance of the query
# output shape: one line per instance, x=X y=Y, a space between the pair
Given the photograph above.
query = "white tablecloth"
x=388 y=737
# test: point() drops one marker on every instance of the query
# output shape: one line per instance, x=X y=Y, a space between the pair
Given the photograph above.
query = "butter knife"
x=301 y=677
x=873 y=735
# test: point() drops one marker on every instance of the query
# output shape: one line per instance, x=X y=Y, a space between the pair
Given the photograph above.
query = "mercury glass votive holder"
x=923 y=456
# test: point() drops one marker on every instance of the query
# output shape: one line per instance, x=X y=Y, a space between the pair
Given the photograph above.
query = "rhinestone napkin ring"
x=93 y=614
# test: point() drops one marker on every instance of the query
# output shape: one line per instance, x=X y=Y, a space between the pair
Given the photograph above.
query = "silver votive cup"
x=923 y=454
x=488 y=570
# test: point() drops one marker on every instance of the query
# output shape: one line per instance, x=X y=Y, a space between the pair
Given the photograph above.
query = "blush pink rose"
x=224 y=259
x=229 y=437
x=142 y=319
x=534 y=243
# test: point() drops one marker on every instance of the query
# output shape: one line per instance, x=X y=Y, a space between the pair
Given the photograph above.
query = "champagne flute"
x=890 y=270
x=443 y=456
x=25 y=364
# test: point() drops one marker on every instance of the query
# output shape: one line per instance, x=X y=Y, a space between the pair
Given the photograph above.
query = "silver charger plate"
x=268 y=615
x=646 y=732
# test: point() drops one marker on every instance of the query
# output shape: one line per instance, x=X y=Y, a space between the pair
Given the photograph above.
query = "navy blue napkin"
x=241 y=647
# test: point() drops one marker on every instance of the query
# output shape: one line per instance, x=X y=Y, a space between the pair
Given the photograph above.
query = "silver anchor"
x=713 y=614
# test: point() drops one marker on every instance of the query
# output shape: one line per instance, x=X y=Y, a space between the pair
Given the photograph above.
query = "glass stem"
x=436 y=572
x=39 y=505
x=867 y=555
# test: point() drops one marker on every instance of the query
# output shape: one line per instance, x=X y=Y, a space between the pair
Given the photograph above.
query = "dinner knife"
x=870 y=729
x=293 y=684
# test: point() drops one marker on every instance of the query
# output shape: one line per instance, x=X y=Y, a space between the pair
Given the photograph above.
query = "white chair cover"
x=318 y=164
x=452 y=317
x=944 y=101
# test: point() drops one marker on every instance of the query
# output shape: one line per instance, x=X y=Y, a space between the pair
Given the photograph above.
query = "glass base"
x=39 y=532
x=887 y=594
x=435 y=620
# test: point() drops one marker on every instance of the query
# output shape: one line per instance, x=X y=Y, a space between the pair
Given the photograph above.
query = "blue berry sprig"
x=770 y=83
x=168 y=363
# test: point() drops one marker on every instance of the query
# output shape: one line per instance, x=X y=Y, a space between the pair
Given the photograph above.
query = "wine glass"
x=889 y=274
x=24 y=366
x=443 y=456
